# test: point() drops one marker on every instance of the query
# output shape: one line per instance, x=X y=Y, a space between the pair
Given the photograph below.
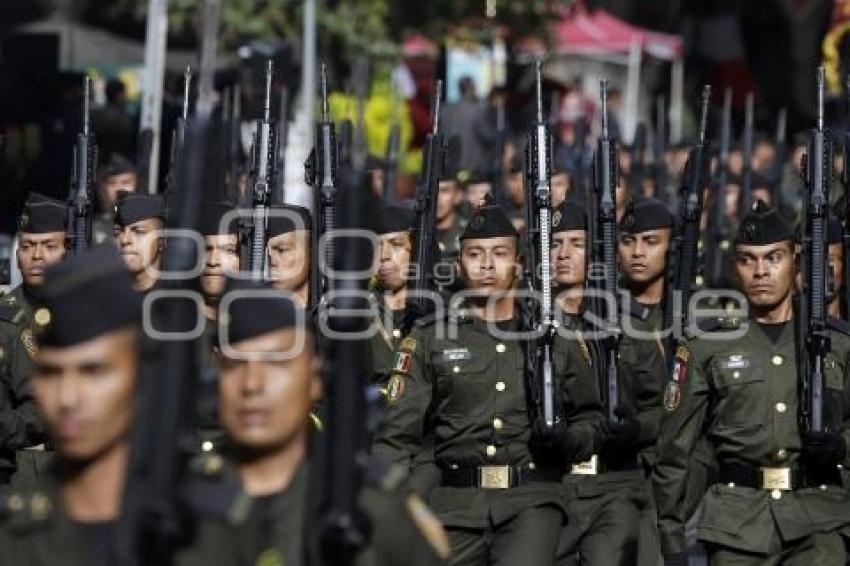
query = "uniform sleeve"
x=681 y=426
x=582 y=402
x=20 y=422
x=400 y=437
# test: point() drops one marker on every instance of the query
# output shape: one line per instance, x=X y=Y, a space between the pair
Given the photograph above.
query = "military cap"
x=479 y=177
x=262 y=310
x=132 y=207
x=763 y=225
x=570 y=215
x=212 y=214
x=42 y=214
x=760 y=181
x=74 y=292
x=644 y=214
x=374 y=162
x=284 y=218
x=117 y=165
x=489 y=221
x=393 y=218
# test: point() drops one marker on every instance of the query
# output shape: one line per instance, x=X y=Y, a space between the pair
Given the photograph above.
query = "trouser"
x=530 y=538
x=819 y=549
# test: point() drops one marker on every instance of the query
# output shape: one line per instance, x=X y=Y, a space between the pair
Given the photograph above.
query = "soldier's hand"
x=557 y=444
x=623 y=436
x=823 y=449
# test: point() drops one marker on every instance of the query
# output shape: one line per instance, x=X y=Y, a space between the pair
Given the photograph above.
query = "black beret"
x=132 y=207
x=570 y=215
x=760 y=181
x=75 y=291
x=489 y=221
x=394 y=218
x=763 y=225
x=212 y=214
x=284 y=218
x=117 y=165
x=448 y=172
x=644 y=214
x=262 y=310
x=42 y=214
x=479 y=177
x=374 y=162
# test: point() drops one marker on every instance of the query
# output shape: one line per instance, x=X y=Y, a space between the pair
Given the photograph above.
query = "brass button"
x=396 y=333
x=500 y=386
x=777 y=360
x=781 y=454
x=42 y=317
x=207 y=446
x=736 y=374
x=456 y=369
x=39 y=506
x=781 y=407
x=776 y=494
x=491 y=450
x=15 y=502
x=498 y=424
x=532 y=466
x=724 y=245
x=501 y=348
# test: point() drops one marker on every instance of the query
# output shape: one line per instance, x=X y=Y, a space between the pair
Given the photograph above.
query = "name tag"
x=456 y=354
x=737 y=361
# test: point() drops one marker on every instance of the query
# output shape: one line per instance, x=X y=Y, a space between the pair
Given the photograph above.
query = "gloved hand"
x=823 y=449
x=557 y=445
x=678 y=559
x=623 y=436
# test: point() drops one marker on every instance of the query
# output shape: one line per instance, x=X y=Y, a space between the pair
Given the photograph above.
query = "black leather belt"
x=779 y=478
x=606 y=463
x=496 y=476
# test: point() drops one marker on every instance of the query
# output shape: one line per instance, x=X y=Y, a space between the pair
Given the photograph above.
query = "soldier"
x=265 y=410
x=450 y=223
x=611 y=519
x=42 y=242
x=390 y=293
x=778 y=497
x=136 y=230
x=84 y=381
x=288 y=232
x=460 y=391
x=835 y=257
x=118 y=175
x=221 y=257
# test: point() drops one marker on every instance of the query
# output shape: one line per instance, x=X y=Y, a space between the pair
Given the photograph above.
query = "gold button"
x=776 y=494
x=39 y=506
x=498 y=424
x=207 y=446
x=781 y=454
x=491 y=450
x=724 y=245
x=501 y=348
x=456 y=369
x=15 y=502
x=500 y=386
x=213 y=464
x=736 y=374
x=396 y=333
x=42 y=317
x=532 y=466
x=777 y=360
x=781 y=407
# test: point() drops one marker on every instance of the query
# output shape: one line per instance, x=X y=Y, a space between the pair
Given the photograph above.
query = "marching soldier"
x=450 y=223
x=221 y=253
x=42 y=242
x=390 y=294
x=265 y=410
x=118 y=175
x=778 y=497
x=611 y=518
x=288 y=233
x=460 y=391
x=835 y=257
x=139 y=218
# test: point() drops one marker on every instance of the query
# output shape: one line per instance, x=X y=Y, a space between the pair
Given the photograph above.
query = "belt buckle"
x=586 y=468
x=776 y=479
x=494 y=477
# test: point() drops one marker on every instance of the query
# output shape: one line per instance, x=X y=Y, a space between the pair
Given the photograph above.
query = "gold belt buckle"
x=776 y=479
x=494 y=477
x=586 y=468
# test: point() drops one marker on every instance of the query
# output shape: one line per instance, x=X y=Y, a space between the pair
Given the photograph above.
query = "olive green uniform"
x=464 y=398
x=386 y=340
x=742 y=395
x=21 y=428
x=610 y=511
x=102 y=227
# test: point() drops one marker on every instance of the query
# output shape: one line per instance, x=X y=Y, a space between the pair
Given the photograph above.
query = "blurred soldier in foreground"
x=137 y=224
x=288 y=234
x=499 y=495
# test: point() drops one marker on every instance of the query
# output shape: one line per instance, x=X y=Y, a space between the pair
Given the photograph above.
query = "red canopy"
x=598 y=32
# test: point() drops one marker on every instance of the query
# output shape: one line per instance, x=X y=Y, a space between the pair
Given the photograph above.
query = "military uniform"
x=386 y=340
x=101 y=229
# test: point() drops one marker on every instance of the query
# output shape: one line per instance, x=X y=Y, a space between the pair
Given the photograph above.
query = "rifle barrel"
x=86 y=103
x=821 y=73
x=603 y=87
x=324 y=94
x=187 y=82
x=438 y=89
x=267 y=104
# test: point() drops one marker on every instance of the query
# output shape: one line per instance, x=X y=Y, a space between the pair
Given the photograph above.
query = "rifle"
x=322 y=174
x=155 y=517
x=263 y=169
x=538 y=314
x=234 y=145
x=425 y=208
x=684 y=266
x=279 y=193
x=745 y=198
x=659 y=148
x=83 y=180
x=498 y=173
x=178 y=136
x=812 y=320
x=391 y=162
x=717 y=241
x=605 y=188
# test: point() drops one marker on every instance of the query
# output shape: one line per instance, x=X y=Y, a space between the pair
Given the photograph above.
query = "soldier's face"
x=448 y=198
x=395 y=260
x=117 y=183
x=36 y=252
x=569 y=257
x=264 y=405
x=766 y=273
x=560 y=186
x=643 y=256
x=835 y=258
x=516 y=189
x=139 y=244
x=85 y=393
x=222 y=258
x=475 y=194
x=289 y=260
x=489 y=265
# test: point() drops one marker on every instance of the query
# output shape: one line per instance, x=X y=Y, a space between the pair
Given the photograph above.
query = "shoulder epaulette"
x=839 y=325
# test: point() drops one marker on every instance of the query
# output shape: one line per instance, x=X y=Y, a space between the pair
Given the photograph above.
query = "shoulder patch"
x=429 y=527
x=28 y=340
x=395 y=388
x=672 y=396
